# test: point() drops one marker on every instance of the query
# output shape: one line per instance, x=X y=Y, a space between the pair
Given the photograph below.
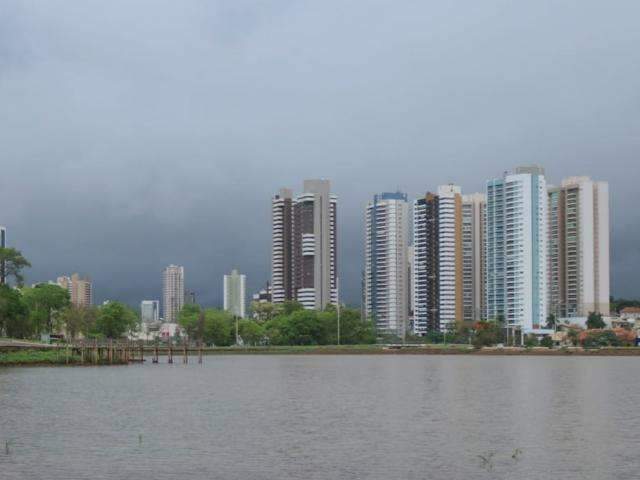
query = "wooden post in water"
x=155 y=352
x=185 y=353
x=95 y=351
x=200 y=354
x=170 y=352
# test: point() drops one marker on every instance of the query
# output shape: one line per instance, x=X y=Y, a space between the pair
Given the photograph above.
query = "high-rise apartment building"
x=282 y=246
x=426 y=285
x=438 y=260
x=235 y=293
x=450 y=256
x=304 y=242
x=578 y=255
x=172 y=292
x=80 y=289
x=150 y=311
x=410 y=297
x=516 y=249
x=473 y=209
x=386 y=281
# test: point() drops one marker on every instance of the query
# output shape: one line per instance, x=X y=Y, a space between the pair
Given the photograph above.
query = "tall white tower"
x=235 y=293
x=386 y=281
x=516 y=249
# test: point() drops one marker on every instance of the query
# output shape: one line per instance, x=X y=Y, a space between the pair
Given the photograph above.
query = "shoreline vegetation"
x=52 y=356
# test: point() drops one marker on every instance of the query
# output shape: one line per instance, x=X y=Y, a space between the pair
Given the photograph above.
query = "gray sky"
x=134 y=134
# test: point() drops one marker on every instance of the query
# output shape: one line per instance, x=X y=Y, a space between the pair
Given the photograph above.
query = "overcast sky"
x=134 y=134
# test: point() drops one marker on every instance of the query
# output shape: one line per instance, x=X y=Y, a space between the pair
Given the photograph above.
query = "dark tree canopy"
x=11 y=265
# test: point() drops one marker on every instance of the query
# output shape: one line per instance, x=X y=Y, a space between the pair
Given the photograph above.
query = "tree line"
x=283 y=324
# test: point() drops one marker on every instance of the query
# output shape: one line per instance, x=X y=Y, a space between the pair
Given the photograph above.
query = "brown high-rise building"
x=426 y=285
x=439 y=261
x=79 y=288
x=304 y=243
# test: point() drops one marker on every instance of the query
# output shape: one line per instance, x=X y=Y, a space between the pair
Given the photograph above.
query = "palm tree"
x=11 y=265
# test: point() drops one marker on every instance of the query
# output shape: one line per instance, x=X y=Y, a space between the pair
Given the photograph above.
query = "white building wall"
x=602 y=252
x=386 y=272
x=234 y=294
x=420 y=279
x=447 y=254
x=524 y=251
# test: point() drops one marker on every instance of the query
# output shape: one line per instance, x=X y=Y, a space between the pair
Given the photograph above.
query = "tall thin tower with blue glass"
x=516 y=249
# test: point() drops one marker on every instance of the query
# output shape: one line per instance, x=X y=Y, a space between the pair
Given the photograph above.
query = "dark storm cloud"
x=136 y=134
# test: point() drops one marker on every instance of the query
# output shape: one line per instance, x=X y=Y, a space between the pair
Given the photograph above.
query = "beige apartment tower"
x=578 y=246
x=473 y=209
x=80 y=289
x=172 y=292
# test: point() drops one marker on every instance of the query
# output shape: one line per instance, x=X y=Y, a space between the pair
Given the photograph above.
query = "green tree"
x=461 y=334
x=14 y=314
x=546 y=341
x=551 y=321
x=115 y=319
x=531 y=341
x=434 y=336
x=573 y=335
x=78 y=321
x=45 y=301
x=290 y=306
x=353 y=330
x=595 y=321
x=218 y=327
x=264 y=311
x=189 y=319
x=275 y=330
x=251 y=332
x=303 y=328
x=487 y=334
x=11 y=265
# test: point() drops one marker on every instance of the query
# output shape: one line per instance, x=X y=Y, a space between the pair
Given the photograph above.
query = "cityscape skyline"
x=468 y=210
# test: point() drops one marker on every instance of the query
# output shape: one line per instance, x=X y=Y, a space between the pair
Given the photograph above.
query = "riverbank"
x=59 y=355
x=432 y=349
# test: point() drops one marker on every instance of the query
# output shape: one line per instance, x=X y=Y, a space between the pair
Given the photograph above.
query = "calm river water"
x=325 y=417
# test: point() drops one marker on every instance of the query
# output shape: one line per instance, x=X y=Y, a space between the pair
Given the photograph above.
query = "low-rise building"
x=630 y=313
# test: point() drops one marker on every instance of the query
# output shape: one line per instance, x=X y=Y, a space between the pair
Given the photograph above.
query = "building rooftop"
x=630 y=310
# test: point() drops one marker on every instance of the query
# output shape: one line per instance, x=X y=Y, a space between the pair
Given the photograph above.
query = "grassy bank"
x=37 y=357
